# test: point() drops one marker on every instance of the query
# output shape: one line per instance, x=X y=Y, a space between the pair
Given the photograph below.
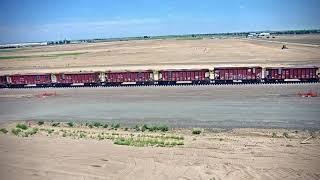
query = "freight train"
x=217 y=75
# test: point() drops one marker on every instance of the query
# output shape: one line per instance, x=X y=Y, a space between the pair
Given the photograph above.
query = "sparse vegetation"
x=196 y=131
x=145 y=127
x=121 y=138
x=22 y=126
x=274 y=135
x=40 y=123
x=3 y=130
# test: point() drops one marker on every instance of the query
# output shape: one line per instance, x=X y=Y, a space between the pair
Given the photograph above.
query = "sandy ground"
x=157 y=54
x=214 y=154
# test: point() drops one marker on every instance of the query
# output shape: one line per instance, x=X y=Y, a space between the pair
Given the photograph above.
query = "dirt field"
x=214 y=154
x=156 y=54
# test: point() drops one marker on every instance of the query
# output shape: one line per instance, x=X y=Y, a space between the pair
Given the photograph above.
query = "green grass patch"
x=142 y=142
x=22 y=126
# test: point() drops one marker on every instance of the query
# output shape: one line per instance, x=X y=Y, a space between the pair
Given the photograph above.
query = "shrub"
x=3 y=130
x=40 y=123
x=196 y=131
x=30 y=132
x=56 y=124
x=90 y=126
x=105 y=126
x=82 y=135
x=115 y=126
x=180 y=143
x=70 y=124
x=163 y=128
x=16 y=131
x=274 y=135
x=144 y=127
x=285 y=134
x=126 y=129
x=50 y=131
x=137 y=128
x=97 y=124
x=22 y=126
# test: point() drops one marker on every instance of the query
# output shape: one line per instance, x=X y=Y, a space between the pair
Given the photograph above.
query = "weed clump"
x=55 y=124
x=97 y=124
x=196 y=131
x=30 y=132
x=70 y=124
x=22 y=126
x=285 y=134
x=3 y=130
x=115 y=126
x=145 y=127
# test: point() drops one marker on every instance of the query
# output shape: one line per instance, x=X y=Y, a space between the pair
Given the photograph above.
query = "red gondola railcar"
x=282 y=74
x=74 y=79
x=129 y=77
x=3 y=81
x=238 y=74
x=184 y=76
x=18 y=80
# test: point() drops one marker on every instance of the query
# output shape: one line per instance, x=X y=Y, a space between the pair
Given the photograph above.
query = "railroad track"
x=154 y=85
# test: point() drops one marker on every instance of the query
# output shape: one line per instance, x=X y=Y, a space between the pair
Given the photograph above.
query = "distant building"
x=264 y=34
x=257 y=35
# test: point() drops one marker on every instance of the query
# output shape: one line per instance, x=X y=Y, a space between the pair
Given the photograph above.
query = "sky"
x=45 y=20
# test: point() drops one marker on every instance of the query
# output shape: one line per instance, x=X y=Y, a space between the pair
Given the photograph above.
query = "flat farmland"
x=159 y=54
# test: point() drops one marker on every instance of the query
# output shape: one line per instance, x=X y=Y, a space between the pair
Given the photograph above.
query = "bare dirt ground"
x=214 y=154
x=157 y=54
